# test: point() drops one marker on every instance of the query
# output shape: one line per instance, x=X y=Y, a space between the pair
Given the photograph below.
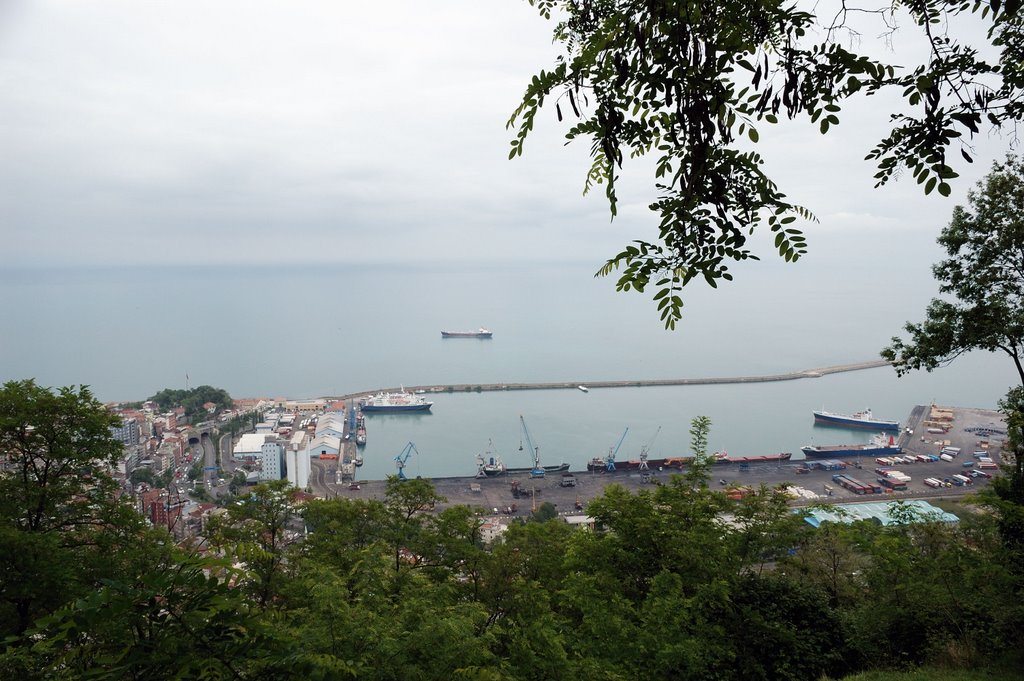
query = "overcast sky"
x=230 y=131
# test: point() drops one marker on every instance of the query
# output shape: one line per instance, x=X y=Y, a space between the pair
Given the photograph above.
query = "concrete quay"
x=494 y=495
x=633 y=383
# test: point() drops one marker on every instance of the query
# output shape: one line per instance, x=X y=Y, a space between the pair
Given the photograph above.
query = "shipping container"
x=933 y=482
x=987 y=465
x=897 y=485
x=946 y=457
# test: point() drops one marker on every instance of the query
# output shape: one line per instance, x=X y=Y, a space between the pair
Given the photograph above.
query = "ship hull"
x=397 y=407
x=559 y=468
x=466 y=334
x=679 y=462
x=828 y=419
x=829 y=451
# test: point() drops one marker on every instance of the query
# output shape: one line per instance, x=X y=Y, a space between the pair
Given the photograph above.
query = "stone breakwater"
x=641 y=383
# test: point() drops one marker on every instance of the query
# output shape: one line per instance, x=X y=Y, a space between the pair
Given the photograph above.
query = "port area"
x=971 y=431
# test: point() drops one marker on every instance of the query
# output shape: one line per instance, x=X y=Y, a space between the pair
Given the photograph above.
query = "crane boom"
x=610 y=461
x=646 y=449
x=538 y=471
x=403 y=458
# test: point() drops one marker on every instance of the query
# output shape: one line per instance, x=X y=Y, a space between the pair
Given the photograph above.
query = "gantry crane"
x=403 y=458
x=610 y=461
x=538 y=471
x=646 y=449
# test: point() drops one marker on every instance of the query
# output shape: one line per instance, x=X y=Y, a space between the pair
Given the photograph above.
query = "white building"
x=332 y=423
x=297 y=465
x=324 y=445
x=271 y=455
x=249 y=446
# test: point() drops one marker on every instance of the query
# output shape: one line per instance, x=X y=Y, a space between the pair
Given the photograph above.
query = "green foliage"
x=193 y=400
x=57 y=502
x=255 y=530
x=675 y=581
x=143 y=474
x=982 y=275
x=694 y=84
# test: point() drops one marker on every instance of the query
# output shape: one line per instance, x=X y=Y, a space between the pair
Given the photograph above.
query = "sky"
x=165 y=132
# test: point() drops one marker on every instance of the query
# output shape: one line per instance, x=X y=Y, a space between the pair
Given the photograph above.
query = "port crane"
x=646 y=449
x=403 y=458
x=538 y=471
x=610 y=461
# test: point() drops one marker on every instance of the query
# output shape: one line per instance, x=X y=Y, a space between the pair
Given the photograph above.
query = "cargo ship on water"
x=395 y=402
x=859 y=419
x=492 y=467
x=880 y=445
x=479 y=333
x=679 y=462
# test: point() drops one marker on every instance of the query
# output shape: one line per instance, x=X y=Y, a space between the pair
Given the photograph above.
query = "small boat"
x=583 y=388
x=859 y=419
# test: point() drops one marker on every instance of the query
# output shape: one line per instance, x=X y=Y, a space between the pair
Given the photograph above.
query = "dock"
x=494 y=494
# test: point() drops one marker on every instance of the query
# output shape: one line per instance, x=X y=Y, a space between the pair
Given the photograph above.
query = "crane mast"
x=646 y=449
x=403 y=458
x=610 y=461
x=538 y=471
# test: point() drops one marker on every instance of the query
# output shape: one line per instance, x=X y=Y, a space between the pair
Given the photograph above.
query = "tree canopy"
x=193 y=400
x=676 y=581
x=694 y=83
x=982 y=277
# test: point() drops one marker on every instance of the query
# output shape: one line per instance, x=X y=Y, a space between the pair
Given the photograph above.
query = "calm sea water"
x=307 y=332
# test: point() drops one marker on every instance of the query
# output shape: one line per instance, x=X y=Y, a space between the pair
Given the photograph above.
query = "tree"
x=984 y=274
x=256 y=528
x=56 y=499
x=694 y=83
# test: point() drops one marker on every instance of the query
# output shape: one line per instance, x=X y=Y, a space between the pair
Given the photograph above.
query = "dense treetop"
x=696 y=83
x=193 y=400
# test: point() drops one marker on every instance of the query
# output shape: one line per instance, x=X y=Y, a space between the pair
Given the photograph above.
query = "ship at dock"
x=680 y=462
x=395 y=402
x=479 y=333
x=360 y=430
x=880 y=445
x=859 y=419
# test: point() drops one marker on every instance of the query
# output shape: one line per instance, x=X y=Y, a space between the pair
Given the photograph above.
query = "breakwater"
x=635 y=383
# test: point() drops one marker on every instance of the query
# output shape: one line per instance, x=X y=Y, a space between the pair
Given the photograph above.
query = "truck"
x=933 y=482
x=962 y=479
x=987 y=465
x=946 y=457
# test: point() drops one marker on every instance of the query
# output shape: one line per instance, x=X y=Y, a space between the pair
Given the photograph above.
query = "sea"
x=304 y=331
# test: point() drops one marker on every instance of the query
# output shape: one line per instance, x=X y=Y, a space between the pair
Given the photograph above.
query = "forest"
x=674 y=582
